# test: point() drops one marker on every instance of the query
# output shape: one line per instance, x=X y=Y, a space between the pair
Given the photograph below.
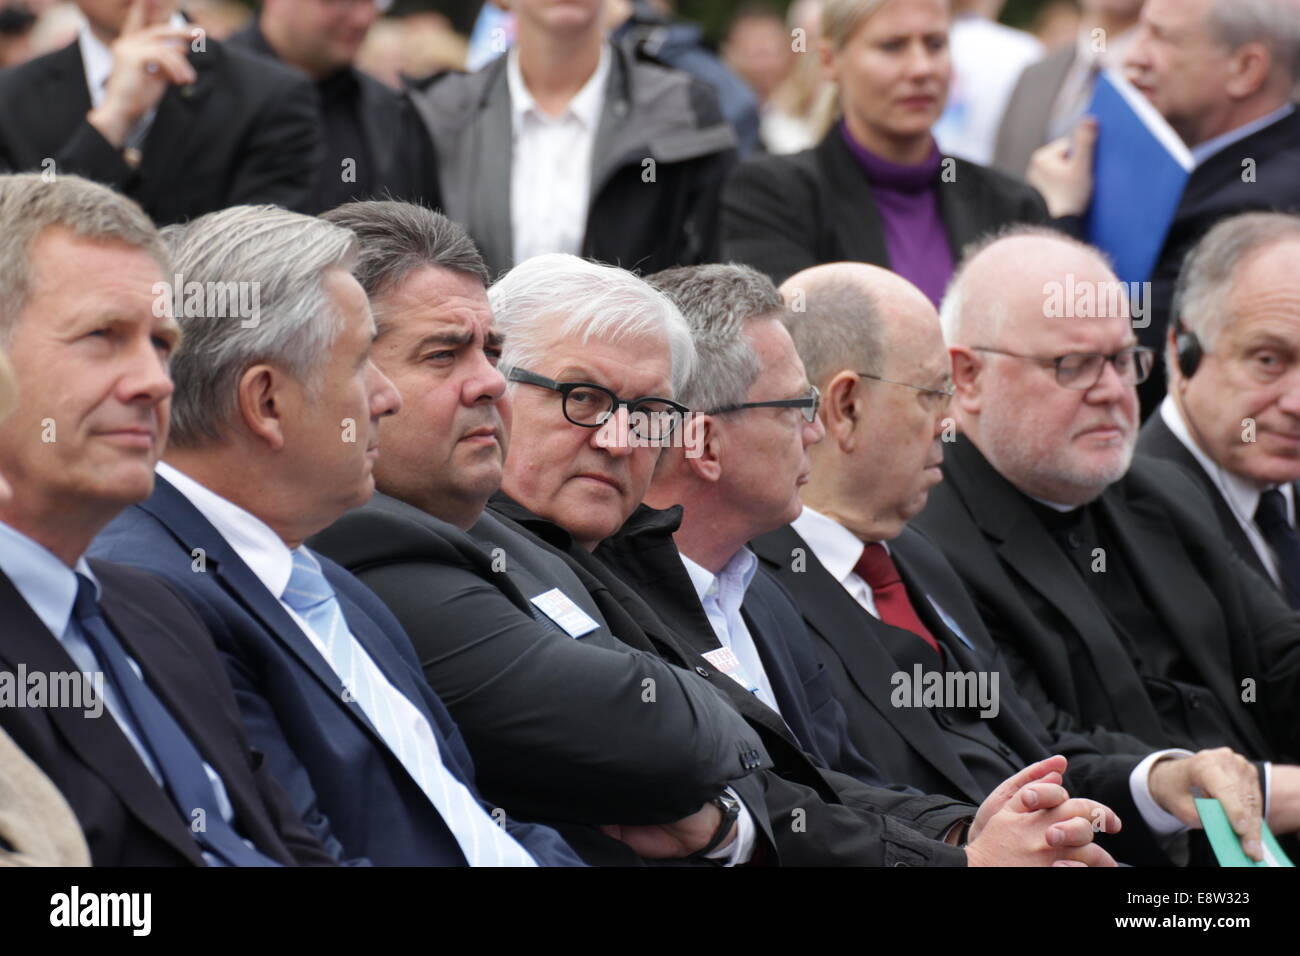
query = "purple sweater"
x=908 y=200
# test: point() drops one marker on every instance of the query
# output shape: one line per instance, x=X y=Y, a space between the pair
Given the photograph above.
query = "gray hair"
x=964 y=319
x=585 y=300
x=717 y=301
x=1205 y=285
x=282 y=257
x=1274 y=23
x=29 y=205
x=397 y=238
x=839 y=327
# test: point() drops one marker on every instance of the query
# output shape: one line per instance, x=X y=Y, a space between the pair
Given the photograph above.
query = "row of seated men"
x=575 y=140
x=637 y=583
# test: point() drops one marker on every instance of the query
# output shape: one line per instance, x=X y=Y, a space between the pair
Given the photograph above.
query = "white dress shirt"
x=271 y=561
x=97 y=62
x=550 y=164
x=838 y=550
x=1241 y=495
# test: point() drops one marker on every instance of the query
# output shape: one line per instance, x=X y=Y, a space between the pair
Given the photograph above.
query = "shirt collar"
x=585 y=105
x=835 y=546
x=47 y=584
x=97 y=58
x=729 y=585
x=257 y=545
x=1242 y=496
x=1211 y=147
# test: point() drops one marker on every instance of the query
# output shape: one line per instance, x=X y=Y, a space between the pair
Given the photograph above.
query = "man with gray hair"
x=612 y=733
x=1224 y=73
x=1111 y=597
x=592 y=380
x=167 y=778
x=1232 y=413
x=275 y=432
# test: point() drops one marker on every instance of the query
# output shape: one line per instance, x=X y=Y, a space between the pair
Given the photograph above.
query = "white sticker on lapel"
x=570 y=618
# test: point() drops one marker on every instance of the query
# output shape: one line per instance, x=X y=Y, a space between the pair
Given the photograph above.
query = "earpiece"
x=1188 y=348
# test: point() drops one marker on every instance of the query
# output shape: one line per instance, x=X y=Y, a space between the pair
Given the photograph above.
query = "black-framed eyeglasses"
x=807 y=405
x=939 y=397
x=1083 y=370
x=588 y=405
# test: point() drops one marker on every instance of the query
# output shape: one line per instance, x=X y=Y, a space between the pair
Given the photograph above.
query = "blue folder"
x=1140 y=169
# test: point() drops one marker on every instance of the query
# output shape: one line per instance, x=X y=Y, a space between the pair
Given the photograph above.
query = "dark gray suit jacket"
x=1029 y=111
x=568 y=730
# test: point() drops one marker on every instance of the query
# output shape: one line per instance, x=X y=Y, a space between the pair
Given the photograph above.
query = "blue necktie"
x=1271 y=517
x=177 y=759
x=403 y=728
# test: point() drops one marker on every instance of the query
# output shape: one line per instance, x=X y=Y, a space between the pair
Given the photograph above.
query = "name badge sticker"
x=568 y=617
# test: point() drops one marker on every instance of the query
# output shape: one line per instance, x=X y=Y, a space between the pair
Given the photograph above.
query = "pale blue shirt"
x=50 y=589
x=1204 y=151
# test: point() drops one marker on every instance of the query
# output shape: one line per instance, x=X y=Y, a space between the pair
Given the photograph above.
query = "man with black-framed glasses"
x=1113 y=594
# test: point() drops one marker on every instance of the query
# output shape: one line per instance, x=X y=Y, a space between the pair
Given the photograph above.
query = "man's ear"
x=264 y=404
x=842 y=409
x=703 y=447
x=966 y=369
x=1249 y=70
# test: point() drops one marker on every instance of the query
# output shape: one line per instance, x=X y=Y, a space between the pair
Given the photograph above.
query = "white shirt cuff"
x=1161 y=822
x=741 y=848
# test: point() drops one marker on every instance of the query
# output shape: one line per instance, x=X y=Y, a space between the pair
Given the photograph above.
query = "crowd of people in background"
x=628 y=452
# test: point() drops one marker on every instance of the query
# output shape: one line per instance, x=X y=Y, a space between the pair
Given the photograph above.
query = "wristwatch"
x=729 y=804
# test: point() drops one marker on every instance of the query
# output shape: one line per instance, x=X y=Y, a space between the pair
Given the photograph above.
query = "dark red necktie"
x=877 y=568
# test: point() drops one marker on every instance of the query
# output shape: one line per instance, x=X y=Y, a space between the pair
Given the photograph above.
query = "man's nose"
x=614 y=435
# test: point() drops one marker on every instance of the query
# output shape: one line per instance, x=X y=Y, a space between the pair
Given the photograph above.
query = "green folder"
x=1226 y=845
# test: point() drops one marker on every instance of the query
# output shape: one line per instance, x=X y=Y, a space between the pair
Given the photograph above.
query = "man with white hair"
x=1232 y=414
x=1224 y=73
x=275 y=430
x=1113 y=600
x=592 y=393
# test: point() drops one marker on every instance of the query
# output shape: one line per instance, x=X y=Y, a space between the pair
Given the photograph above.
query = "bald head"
x=850 y=315
x=871 y=342
x=1031 y=319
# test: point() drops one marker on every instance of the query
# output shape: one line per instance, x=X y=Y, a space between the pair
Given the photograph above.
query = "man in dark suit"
x=1111 y=596
x=613 y=733
x=160 y=111
x=570 y=143
x=372 y=143
x=274 y=433
x=167 y=778
x=583 y=452
x=887 y=610
x=1223 y=73
x=1232 y=413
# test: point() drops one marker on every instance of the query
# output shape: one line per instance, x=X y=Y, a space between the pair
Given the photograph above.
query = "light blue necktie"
x=397 y=721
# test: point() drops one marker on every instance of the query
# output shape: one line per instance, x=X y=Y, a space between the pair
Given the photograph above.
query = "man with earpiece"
x=1232 y=412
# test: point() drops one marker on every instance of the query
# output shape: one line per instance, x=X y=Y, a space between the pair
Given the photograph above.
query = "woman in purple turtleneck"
x=876 y=189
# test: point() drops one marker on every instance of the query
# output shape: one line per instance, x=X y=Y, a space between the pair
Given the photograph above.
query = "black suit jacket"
x=1157 y=441
x=1229 y=624
x=809 y=816
x=128 y=819
x=403 y=162
x=561 y=728
x=782 y=214
x=922 y=749
x=644 y=554
x=246 y=131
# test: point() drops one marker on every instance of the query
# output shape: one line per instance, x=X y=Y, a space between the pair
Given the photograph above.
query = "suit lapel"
x=187 y=524
x=851 y=633
x=859 y=230
x=164 y=149
x=484 y=155
x=1141 y=531
x=963 y=221
x=379 y=113
x=99 y=743
x=63 y=94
